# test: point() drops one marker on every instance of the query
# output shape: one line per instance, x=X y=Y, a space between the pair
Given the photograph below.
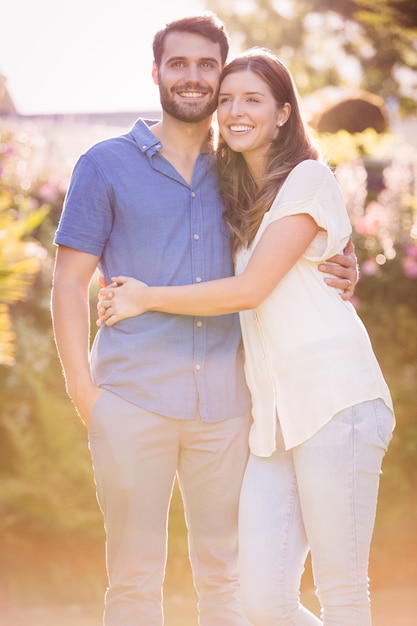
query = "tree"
x=19 y=256
x=357 y=43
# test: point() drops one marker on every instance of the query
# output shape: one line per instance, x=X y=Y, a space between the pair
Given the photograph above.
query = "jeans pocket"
x=384 y=421
x=95 y=411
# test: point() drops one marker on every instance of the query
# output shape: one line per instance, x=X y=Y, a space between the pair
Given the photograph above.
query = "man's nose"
x=193 y=73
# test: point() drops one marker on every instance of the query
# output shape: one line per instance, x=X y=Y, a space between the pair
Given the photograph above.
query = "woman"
x=322 y=412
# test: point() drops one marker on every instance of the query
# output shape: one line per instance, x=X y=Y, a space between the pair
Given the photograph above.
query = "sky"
x=77 y=56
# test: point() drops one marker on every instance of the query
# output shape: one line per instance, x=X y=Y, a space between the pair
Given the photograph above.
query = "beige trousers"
x=136 y=456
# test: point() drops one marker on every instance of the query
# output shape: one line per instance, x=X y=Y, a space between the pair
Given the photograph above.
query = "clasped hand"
x=119 y=300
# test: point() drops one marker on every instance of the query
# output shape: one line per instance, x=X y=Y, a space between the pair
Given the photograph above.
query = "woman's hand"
x=344 y=267
x=120 y=300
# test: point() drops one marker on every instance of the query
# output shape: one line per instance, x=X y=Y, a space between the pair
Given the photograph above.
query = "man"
x=166 y=395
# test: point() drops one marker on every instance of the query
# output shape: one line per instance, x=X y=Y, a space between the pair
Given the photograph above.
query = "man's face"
x=188 y=76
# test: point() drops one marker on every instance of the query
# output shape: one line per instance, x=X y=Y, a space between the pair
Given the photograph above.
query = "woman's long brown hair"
x=246 y=203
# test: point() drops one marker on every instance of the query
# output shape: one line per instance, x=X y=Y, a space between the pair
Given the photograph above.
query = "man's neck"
x=183 y=137
x=182 y=142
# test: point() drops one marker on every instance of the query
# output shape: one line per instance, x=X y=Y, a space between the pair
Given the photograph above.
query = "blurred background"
x=73 y=74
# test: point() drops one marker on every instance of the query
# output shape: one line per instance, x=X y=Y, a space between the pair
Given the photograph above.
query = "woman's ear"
x=284 y=114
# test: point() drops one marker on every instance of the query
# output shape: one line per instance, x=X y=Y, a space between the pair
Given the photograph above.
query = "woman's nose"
x=236 y=109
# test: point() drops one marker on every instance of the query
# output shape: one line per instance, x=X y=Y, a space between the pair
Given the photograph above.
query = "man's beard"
x=190 y=111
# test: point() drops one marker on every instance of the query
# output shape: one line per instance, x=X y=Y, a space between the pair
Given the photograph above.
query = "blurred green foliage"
x=361 y=44
x=48 y=509
x=19 y=254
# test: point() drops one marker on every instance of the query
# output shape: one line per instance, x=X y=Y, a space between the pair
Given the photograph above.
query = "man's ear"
x=155 y=73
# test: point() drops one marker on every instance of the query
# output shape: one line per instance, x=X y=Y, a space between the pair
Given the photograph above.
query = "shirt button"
x=199 y=323
x=198 y=279
x=193 y=194
x=196 y=237
x=198 y=366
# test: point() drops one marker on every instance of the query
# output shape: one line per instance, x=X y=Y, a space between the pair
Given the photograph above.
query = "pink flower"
x=369 y=223
x=369 y=267
x=411 y=251
x=409 y=265
x=49 y=192
x=355 y=302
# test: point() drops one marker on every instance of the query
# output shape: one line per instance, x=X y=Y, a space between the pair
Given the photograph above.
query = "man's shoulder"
x=136 y=134
x=114 y=147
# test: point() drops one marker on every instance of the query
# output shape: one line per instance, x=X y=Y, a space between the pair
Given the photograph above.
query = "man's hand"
x=344 y=267
x=70 y=314
x=84 y=398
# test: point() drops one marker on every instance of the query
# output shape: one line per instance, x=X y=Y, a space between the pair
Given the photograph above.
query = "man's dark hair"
x=207 y=25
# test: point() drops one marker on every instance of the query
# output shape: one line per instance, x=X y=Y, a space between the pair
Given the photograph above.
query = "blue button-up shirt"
x=128 y=205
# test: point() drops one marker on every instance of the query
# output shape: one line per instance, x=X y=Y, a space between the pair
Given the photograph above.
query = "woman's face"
x=248 y=115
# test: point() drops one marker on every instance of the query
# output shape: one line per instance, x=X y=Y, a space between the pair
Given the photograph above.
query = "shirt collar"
x=144 y=137
x=147 y=142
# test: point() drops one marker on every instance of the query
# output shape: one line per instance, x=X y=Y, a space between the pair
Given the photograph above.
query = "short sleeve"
x=312 y=188
x=86 y=219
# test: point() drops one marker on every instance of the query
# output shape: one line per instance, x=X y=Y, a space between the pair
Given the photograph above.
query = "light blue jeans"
x=320 y=496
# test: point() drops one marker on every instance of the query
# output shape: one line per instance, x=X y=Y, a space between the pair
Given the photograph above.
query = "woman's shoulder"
x=312 y=169
x=305 y=181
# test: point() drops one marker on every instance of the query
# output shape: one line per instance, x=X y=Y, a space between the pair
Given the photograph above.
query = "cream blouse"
x=307 y=353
